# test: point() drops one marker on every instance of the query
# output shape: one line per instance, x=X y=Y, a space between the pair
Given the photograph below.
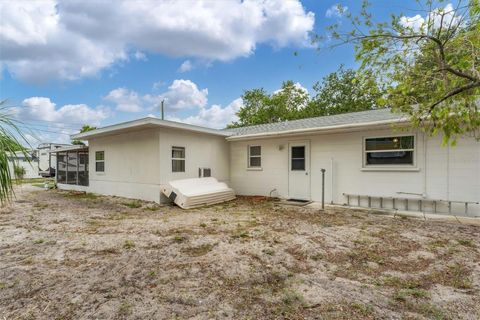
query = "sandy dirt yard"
x=66 y=255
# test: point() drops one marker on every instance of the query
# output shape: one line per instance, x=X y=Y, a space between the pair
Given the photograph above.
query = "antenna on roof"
x=162 y=108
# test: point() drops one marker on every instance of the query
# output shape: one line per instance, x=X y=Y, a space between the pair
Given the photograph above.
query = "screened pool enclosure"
x=72 y=166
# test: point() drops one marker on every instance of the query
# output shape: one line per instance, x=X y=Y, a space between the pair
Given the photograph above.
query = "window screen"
x=178 y=159
x=254 y=156
x=100 y=161
x=390 y=150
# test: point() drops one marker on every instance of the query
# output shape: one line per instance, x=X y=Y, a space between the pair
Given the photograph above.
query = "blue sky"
x=67 y=63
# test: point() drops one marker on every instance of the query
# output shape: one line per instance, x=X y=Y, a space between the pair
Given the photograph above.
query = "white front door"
x=299 y=170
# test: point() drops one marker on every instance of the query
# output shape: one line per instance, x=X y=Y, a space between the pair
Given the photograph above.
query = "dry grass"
x=68 y=255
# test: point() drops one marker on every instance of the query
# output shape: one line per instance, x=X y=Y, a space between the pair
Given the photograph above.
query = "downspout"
x=425 y=165
x=331 y=180
x=448 y=172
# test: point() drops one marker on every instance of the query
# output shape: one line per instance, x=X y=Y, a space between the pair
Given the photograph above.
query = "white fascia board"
x=326 y=129
x=148 y=121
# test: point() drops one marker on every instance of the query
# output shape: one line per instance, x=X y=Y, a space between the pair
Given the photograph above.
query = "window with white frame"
x=178 y=159
x=100 y=161
x=254 y=156
x=385 y=151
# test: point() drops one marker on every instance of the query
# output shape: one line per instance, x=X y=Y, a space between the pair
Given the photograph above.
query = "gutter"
x=147 y=121
x=343 y=127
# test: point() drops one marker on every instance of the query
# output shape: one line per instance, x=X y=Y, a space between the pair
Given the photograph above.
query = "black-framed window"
x=396 y=151
x=298 y=158
x=254 y=156
x=178 y=159
x=100 y=161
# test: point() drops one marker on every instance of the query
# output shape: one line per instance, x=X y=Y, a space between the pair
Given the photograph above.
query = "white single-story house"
x=371 y=159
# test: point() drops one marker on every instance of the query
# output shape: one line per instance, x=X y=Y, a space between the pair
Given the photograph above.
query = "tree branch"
x=454 y=93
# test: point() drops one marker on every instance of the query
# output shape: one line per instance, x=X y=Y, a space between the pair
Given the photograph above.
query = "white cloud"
x=157 y=85
x=125 y=100
x=140 y=55
x=186 y=66
x=70 y=39
x=214 y=116
x=297 y=85
x=41 y=108
x=181 y=94
x=42 y=121
x=434 y=18
x=336 y=11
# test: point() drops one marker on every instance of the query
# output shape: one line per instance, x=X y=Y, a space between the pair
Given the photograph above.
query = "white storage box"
x=197 y=192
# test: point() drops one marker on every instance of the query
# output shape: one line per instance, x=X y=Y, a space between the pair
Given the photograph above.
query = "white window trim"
x=184 y=159
x=255 y=168
x=390 y=167
x=95 y=157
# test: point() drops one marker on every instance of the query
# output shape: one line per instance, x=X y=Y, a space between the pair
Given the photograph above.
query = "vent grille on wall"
x=204 y=172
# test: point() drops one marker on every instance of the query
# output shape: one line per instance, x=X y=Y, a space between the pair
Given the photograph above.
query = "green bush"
x=18 y=171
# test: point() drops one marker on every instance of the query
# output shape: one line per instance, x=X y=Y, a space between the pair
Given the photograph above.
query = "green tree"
x=85 y=128
x=10 y=137
x=430 y=62
x=261 y=107
x=342 y=91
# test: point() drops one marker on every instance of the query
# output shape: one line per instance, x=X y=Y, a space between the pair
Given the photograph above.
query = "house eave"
x=322 y=130
x=146 y=123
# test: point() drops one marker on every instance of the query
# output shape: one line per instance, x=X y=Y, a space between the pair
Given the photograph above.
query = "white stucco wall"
x=131 y=165
x=138 y=162
x=448 y=172
x=201 y=151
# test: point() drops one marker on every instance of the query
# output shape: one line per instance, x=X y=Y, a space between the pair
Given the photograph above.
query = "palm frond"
x=10 y=143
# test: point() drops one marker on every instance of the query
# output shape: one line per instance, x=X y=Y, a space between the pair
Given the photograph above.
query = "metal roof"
x=378 y=116
x=69 y=148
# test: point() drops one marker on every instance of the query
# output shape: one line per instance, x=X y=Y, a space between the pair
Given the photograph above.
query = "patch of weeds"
x=128 y=244
x=291 y=297
x=2 y=285
x=297 y=252
x=108 y=251
x=179 y=239
x=152 y=274
x=95 y=223
x=424 y=308
x=466 y=243
x=203 y=225
x=80 y=195
x=268 y=251
x=124 y=309
x=438 y=243
x=152 y=208
x=198 y=250
x=316 y=257
x=396 y=282
x=132 y=204
x=40 y=206
x=404 y=294
x=39 y=241
x=362 y=309
x=456 y=276
x=241 y=235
